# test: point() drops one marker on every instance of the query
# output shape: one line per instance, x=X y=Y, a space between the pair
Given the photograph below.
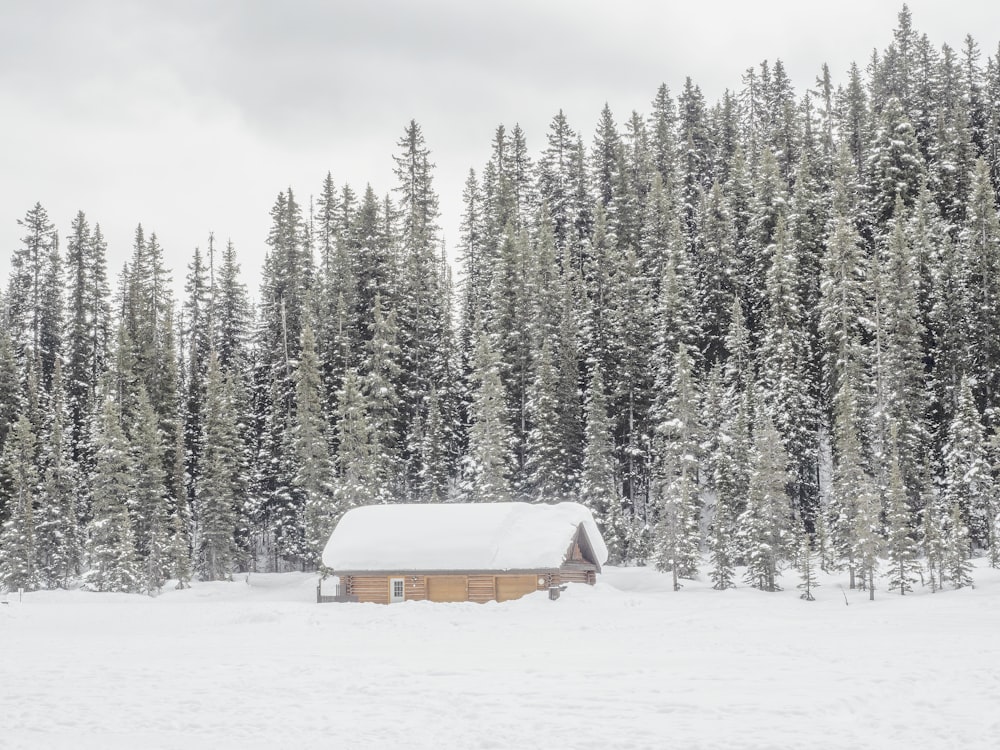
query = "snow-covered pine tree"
x=197 y=334
x=58 y=534
x=715 y=265
x=693 y=157
x=222 y=491
x=786 y=373
x=18 y=546
x=287 y=278
x=111 y=553
x=380 y=373
x=956 y=544
x=555 y=178
x=314 y=477
x=867 y=535
x=849 y=481
x=33 y=300
x=674 y=486
x=88 y=332
x=900 y=545
x=806 y=563
x=979 y=250
x=435 y=462
x=894 y=164
x=355 y=479
x=569 y=379
x=179 y=527
x=336 y=289
x=901 y=359
x=968 y=482
x=487 y=469
x=149 y=504
x=663 y=137
x=507 y=321
x=423 y=303
x=10 y=391
x=842 y=291
x=632 y=343
x=732 y=462
x=544 y=463
x=765 y=527
x=231 y=319
x=598 y=488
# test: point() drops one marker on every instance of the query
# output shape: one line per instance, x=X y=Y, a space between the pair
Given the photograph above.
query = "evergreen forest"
x=754 y=335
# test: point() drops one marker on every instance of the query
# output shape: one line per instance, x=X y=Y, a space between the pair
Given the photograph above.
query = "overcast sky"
x=191 y=116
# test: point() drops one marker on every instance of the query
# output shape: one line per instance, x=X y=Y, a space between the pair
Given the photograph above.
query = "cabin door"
x=397 y=590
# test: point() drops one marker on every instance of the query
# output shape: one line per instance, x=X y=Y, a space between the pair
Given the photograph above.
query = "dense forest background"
x=765 y=328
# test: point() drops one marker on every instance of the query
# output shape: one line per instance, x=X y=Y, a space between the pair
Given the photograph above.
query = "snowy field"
x=625 y=664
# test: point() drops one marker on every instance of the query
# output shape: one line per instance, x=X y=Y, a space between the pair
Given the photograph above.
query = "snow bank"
x=459 y=536
x=627 y=664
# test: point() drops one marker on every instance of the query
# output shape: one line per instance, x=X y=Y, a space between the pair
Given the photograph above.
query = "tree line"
x=765 y=328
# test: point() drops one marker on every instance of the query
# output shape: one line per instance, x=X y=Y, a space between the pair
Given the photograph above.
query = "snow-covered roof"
x=459 y=536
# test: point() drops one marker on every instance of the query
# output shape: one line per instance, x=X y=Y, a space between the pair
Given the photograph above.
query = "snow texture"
x=459 y=536
x=627 y=663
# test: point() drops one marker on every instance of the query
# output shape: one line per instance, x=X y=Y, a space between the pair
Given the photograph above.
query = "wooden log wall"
x=481 y=589
x=570 y=573
x=416 y=588
x=369 y=588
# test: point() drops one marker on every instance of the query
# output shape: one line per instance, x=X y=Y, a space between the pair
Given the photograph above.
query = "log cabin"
x=457 y=552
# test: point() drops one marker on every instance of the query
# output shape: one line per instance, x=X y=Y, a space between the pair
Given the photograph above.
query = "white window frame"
x=393 y=598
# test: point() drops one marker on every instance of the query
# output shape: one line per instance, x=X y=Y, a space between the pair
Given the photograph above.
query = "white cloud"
x=190 y=117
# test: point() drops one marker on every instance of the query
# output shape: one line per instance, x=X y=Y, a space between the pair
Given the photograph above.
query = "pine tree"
x=198 y=326
x=487 y=469
x=179 y=527
x=765 y=526
x=544 y=465
x=231 y=315
x=222 y=490
x=979 y=250
x=88 y=331
x=967 y=482
x=956 y=546
x=422 y=314
x=807 y=568
x=284 y=301
x=315 y=471
x=113 y=563
x=901 y=547
x=900 y=359
x=34 y=304
x=894 y=163
x=58 y=537
x=355 y=480
x=509 y=325
x=598 y=489
x=852 y=489
x=867 y=538
x=380 y=374
x=555 y=178
x=675 y=474
x=435 y=462
x=18 y=546
x=789 y=390
x=732 y=468
x=932 y=540
x=715 y=267
x=149 y=499
x=842 y=300
x=10 y=392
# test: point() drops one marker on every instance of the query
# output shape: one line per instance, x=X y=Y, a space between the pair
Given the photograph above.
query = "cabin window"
x=396 y=590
